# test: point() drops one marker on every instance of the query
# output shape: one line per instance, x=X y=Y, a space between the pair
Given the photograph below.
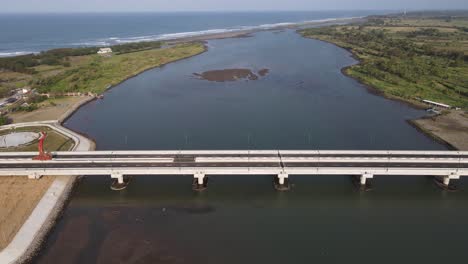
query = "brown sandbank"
x=230 y=75
x=263 y=72
x=451 y=128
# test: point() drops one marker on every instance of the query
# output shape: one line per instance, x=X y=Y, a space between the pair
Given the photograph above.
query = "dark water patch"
x=227 y=75
x=191 y=209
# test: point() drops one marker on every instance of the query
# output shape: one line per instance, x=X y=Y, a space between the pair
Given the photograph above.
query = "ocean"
x=30 y=33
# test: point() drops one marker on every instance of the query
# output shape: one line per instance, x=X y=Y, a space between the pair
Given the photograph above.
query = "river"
x=303 y=103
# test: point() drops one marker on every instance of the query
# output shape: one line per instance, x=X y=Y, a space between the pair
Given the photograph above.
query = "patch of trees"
x=137 y=46
x=379 y=41
x=25 y=63
x=427 y=32
x=19 y=63
x=4 y=120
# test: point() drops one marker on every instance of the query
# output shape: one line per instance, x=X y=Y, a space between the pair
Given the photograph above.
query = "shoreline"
x=413 y=122
x=227 y=33
x=425 y=131
x=29 y=239
x=371 y=89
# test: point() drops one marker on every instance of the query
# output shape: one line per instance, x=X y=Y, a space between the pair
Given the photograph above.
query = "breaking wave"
x=174 y=36
x=180 y=35
x=14 y=53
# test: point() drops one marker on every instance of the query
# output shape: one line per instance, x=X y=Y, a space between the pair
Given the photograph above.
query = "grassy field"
x=20 y=195
x=94 y=73
x=409 y=58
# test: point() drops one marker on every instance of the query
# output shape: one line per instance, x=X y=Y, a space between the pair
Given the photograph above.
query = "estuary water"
x=304 y=102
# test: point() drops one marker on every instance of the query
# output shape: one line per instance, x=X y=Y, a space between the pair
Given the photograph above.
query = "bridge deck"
x=242 y=162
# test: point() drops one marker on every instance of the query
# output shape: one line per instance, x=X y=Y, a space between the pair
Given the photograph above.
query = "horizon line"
x=228 y=11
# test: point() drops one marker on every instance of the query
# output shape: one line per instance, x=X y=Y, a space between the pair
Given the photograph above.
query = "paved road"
x=232 y=164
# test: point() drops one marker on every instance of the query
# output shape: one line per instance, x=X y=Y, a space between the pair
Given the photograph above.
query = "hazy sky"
x=217 y=5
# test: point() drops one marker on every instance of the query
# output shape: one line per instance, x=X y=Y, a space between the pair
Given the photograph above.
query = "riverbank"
x=450 y=128
x=46 y=196
x=391 y=64
x=42 y=87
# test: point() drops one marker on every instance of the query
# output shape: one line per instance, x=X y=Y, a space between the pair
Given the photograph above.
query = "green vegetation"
x=133 y=47
x=100 y=72
x=54 y=141
x=407 y=57
x=4 y=120
x=82 y=70
x=25 y=63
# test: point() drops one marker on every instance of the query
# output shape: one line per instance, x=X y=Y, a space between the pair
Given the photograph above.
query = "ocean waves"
x=116 y=40
x=182 y=35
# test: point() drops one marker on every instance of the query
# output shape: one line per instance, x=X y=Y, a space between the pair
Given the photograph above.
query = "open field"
x=18 y=198
x=19 y=195
x=96 y=73
x=51 y=109
x=407 y=58
x=92 y=73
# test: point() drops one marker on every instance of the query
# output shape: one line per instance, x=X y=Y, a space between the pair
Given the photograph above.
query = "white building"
x=104 y=51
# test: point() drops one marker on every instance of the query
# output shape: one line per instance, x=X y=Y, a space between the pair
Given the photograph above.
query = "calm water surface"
x=304 y=103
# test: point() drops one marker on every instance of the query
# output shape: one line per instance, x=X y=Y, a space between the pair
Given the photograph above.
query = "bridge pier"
x=444 y=182
x=199 y=181
x=363 y=181
x=118 y=181
x=34 y=176
x=282 y=182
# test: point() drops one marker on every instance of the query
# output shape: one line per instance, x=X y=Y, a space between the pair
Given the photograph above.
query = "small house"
x=104 y=51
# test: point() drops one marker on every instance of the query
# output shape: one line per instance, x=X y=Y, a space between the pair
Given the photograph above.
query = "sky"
x=8 y=6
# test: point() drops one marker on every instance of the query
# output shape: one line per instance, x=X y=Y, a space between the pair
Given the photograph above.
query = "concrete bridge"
x=448 y=165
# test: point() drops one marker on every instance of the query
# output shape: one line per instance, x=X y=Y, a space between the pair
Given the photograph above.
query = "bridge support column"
x=444 y=182
x=119 y=182
x=282 y=182
x=363 y=183
x=364 y=178
x=199 y=181
x=34 y=176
